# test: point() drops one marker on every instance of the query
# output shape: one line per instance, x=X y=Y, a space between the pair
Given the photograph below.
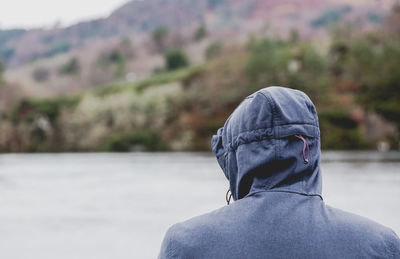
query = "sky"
x=46 y=13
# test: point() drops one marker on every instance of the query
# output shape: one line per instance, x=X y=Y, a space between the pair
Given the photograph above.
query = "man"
x=269 y=149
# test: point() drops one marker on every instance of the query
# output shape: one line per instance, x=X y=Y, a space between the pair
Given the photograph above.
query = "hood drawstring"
x=228 y=196
x=305 y=146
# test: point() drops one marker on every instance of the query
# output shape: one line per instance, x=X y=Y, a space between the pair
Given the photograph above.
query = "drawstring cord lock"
x=305 y=148
x=228 y=196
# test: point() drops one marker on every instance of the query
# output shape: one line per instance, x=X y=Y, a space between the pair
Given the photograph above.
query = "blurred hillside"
x=232 y=17
x=164 y=75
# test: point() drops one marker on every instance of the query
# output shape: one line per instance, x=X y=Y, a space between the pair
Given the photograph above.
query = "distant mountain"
x=219 y=16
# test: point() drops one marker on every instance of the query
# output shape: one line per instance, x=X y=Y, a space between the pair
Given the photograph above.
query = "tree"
x=175 y=59
x=159 y=37
x=214 y=49
x=200 y=33
x=381 y=93
x=72 y=67
x=114 y=59
x=373 y=60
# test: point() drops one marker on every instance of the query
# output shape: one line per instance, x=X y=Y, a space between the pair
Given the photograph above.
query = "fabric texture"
x=278 y=210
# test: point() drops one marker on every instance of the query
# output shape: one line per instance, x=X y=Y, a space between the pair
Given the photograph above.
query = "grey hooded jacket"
x=269 y=150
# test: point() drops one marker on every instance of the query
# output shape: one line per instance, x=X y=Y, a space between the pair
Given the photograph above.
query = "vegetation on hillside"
x=175 y=59
x=181 y=106
x=142 y=17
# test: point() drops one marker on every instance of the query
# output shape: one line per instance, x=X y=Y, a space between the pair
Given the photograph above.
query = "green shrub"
x=72 y=67
x=58 y=48
x=380 y=79
x=122 y=142
x=114 y=58
x=294 y=65
x=175 y=59
x=160 y=35
x=214 y=49
x=28 y=108
x=338 y=118
x=200 y=33
x=340 y=131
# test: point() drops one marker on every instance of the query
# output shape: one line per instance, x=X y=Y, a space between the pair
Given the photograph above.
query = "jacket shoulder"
x=366 y=231
x=394 y=244
x=184 y=239
x=170 y=244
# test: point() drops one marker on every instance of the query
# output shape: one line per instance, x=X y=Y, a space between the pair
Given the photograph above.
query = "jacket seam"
x=295 y=123
x=263 y=138
x=286 y=191
x=272 y=105
x=267 y=135
x=275 y=118
x=266 y=128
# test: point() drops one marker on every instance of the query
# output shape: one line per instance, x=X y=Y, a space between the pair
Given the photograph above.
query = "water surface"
x=120 y=205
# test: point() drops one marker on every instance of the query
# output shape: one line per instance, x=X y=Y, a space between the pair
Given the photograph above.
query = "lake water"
x=120 y=205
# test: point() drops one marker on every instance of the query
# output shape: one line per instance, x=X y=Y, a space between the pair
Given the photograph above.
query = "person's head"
x=271 y=141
